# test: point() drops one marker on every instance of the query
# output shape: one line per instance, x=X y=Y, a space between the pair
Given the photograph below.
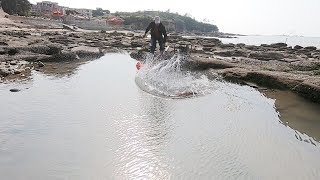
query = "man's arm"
x=164 y=33
x=148 y=29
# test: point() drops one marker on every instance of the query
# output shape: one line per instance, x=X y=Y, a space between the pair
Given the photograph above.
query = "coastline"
x=25 y=47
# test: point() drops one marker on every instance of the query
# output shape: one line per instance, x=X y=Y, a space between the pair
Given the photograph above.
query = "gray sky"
x=263 y=17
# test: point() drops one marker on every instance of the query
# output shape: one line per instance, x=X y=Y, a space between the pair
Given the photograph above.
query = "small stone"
x=13 y=63
x=14 y=90
x=40 y=64
x=17 y=72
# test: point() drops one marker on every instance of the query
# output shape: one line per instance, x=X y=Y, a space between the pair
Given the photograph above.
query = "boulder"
x=4 y=72
x=297 y=47
x=64 y=26
x=125 y=44
x=241 y=45
x=137 y=43
x=310 y=48
x=230 y=45
x=198 y=63
x=208 y=45
x=266 y=56
x=278 y=45
x=12 y=51
x=207 y=49
x=87 y=52
x=253 y=48
x=49 y=49
x=40 y=64
x=232 y=53
x=63 y=56
x=214 y=41
x=130 y=34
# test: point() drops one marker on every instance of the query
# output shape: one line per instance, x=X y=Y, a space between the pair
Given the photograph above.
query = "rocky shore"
x=24 y=48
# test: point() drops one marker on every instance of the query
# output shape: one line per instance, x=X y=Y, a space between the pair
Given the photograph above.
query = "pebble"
x=14 y=90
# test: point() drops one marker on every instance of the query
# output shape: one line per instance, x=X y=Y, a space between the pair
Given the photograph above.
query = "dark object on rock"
x=13 y=63
x=40 y=64
x=2 y=43
x=64 y=26
x=2 y=51
x=13 y=51
x=311 y=48
x=15 y=90
x=103 y=31
x=17 y=72
x=265 y=45
x=54 y=49
x=6 y=16
x=138 y=55
x=3 y=73
x=130 y=34
x=297 y=47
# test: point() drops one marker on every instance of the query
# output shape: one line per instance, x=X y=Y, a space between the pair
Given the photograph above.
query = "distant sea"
x=290 y=40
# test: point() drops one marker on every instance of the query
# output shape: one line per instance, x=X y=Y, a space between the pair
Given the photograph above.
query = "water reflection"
x=61 y=69
x=158 y=119
x=144 y=139
x=298 y=113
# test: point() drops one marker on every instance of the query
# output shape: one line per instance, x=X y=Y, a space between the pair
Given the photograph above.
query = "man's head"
x=157 y=20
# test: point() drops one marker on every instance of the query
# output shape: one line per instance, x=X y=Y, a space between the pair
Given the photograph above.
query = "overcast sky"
x=263 y=17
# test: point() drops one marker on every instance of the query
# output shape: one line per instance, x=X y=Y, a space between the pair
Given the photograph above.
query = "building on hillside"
x=48 y=9
x=115 y=21
x=85 y=13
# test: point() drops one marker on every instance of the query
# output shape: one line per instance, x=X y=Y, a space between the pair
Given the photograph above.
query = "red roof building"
x=115 y=21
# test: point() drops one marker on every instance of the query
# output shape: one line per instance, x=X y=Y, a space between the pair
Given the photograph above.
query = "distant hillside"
x=172 y=21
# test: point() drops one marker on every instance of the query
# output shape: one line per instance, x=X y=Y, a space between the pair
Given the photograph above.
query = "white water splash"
x=165 y=78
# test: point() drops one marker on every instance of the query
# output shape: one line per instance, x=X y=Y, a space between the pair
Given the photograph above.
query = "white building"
x=46 y=8
x=86 y=13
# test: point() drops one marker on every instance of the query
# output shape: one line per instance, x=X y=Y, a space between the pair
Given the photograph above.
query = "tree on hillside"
x=179 y=23
x=99 y=12
x=20 y=7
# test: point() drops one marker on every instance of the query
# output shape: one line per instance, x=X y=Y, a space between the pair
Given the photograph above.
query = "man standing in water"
x=158 y=33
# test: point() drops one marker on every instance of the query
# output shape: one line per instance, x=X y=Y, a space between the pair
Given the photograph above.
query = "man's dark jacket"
x=161 y=28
